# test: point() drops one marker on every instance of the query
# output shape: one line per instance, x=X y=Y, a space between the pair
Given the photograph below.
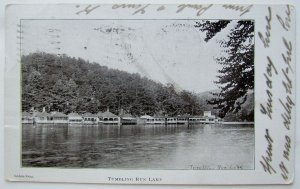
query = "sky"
x=166 y=51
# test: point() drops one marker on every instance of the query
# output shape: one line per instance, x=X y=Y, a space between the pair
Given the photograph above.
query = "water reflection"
x=138 y=147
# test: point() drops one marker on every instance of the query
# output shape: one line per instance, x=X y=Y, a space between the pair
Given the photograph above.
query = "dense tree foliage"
x=62 y=83
x=245 y=114
x=236 y=77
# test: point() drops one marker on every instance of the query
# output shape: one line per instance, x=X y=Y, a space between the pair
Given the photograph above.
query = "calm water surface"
x=139 y=147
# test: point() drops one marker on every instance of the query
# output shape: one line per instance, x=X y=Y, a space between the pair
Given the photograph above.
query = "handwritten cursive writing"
x=287 y=147
x=266 y=39
x=87 y=9
x=267 y=160
x=286 y=22
x=200 y=8
x=285 y=80
x=162 y=7
x=288 y=86
x=287 y=102
x=288 y=106
x=286 y=156
x=268 y=108
x=240 y=8
x=139 y=8
x=284 y=171
x=288 y=56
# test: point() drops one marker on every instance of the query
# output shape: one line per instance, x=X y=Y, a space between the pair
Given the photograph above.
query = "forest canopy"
x=68 y=84
x=62 y=83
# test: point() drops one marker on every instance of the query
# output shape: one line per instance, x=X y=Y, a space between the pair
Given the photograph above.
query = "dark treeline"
x=62 y=83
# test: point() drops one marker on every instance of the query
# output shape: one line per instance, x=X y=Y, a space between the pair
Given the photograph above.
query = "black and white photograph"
x=137 y=94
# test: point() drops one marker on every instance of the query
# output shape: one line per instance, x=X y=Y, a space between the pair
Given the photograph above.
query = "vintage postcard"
x=150 y=93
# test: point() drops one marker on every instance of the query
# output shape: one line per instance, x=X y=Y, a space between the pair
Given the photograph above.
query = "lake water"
x=139 y=147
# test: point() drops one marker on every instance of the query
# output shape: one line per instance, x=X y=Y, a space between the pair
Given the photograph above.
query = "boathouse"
x=27 y=118
x=109 y=118
x=183 y=119
x=143 y=119
x=41 y=117
x=196 y=120
x=75 y=118
x=156 y=120
x=207 y=118
x=172 y=120
x=128 y=119
x=180 y=120
x=58 y=117
x=89 y=118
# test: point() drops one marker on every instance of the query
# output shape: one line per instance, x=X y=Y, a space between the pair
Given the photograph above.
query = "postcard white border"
x=257 y=176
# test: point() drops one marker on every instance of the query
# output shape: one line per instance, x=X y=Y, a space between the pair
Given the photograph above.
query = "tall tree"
x=236 y=77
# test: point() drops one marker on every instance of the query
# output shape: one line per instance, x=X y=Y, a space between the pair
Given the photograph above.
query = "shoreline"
x=238 y=123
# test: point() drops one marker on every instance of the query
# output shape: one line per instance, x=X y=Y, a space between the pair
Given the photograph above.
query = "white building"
x=110 y=118
x=89 y=118
x=207 y=113
x=75 y=118
x=58 y=118
x=157 y=120
x=42 y=117
x=128 y=119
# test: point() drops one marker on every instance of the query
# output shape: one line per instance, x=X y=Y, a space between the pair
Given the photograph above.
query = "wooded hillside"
x=62 y=83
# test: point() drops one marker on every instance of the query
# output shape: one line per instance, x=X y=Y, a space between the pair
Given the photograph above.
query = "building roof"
x=58 y=114
x=41 y=114
x=100 y=114
x=184 y=116
x=26 y=114
x=74 y=115
x=126 y=115
x=108 y=114
x=88 y=114
x=196 y=116
x=145 y=117
x=159 y=117
x=211 y=116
